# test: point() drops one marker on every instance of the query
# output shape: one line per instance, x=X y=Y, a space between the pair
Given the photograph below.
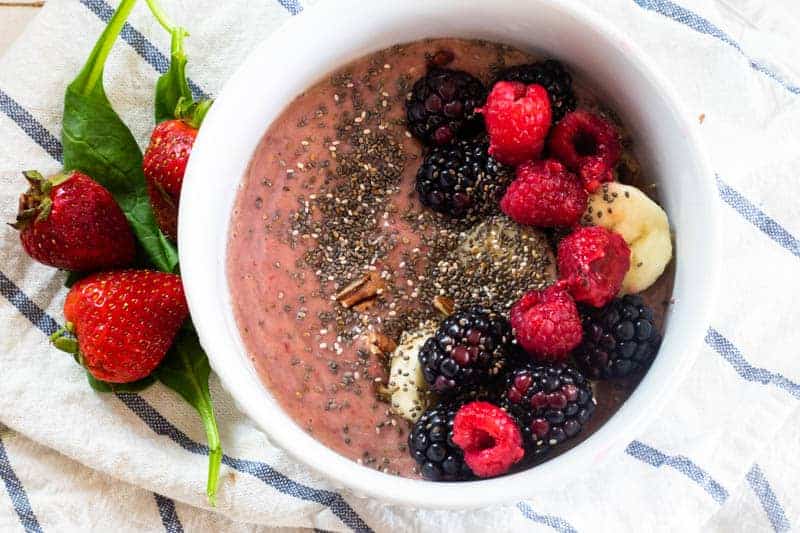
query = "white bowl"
x=331 y=34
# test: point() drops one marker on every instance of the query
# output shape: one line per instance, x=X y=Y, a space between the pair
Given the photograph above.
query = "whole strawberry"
x=164 y=166
x=70 y=221
x=125 y=321
x=517 y=117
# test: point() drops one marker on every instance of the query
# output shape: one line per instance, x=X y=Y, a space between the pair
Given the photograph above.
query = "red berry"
x=125 y=321
x=545 y=194
x=593 y=261
x=587 y=144
x=517 y=118
x=489 y=437
x=70 y=221
x=547 y=324
x=164 y=165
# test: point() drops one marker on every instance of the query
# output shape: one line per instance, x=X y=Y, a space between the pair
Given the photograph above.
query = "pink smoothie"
x=329 y=199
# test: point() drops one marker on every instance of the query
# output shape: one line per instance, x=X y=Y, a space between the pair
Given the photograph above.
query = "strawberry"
x=125 y=321
x=70 y=221
x=164 y=165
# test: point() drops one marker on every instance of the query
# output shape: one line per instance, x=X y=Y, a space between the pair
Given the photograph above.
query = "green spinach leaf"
x=97 y=142
x=185 y=370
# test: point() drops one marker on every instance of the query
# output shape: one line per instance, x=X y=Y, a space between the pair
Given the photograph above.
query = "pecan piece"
x=365 y=287
x=444 y=305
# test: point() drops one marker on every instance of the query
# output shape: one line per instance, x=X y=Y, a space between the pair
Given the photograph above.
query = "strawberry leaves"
x=173 y=97
x=97 y=142
x=173 y=87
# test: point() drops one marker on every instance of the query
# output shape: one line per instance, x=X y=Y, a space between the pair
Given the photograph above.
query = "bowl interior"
x=331 y=34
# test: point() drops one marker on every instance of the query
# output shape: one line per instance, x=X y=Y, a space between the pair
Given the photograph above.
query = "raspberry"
x=518 y=119
x=490 y=438
x=593 y=261
x=587 y=144
x=545 y=194
x=546 y=323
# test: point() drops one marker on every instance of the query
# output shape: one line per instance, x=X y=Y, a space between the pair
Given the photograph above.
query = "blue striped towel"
x=723 y=456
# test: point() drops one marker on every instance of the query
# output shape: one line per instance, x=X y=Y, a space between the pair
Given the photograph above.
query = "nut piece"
x=379 y=344
x=444 y=305
x=366 y=287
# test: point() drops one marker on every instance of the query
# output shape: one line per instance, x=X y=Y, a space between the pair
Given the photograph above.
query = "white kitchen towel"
x=723 y=455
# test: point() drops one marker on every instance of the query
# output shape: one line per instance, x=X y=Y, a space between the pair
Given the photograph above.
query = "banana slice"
x=409 y=396
x=643 y=225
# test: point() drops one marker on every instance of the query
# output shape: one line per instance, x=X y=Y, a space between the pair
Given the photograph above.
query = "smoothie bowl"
x=448 y=248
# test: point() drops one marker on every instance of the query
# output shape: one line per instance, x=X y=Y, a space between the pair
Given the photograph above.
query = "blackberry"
x=469 y=348
x=551 y=403
x=618 y=339
x=461 y=178
x=430 y=444
x=442 y=106
x=551 y=75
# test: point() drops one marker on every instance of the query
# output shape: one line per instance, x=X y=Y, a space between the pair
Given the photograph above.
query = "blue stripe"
x=292 y=6
x=161 y=426
x=758 y=218
x=139 y=42
x=559 y=524
x=169 y=516
x=732 y=355
x=31 y=126
x=685 y=466
x=699 y=24
x=16 y=492
x=262 y=471
x=770 y=503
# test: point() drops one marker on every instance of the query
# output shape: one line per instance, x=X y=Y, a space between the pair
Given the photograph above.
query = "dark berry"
x=468 y=348
x=442 y=106
x=551 y=75
x=430 y=444
x=618 y=339
x=551 y=403
x=461 y=178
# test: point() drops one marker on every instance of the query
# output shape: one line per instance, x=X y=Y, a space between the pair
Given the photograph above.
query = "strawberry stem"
x=63 y=343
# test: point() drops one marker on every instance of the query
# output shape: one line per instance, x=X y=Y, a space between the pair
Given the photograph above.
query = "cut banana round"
x=642 y=223
x=409 y=392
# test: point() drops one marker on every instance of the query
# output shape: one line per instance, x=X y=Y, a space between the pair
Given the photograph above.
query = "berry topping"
x=430 y=444
x=551 y=75
x=593 y=261
x=517 y=119
x=589 y=145
x=545 y=194
x=619 y=339
x=461 y=178
x=489 y=437
x=469 y=347
x=546 y=323
x=551 y=403
x=442 y=106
